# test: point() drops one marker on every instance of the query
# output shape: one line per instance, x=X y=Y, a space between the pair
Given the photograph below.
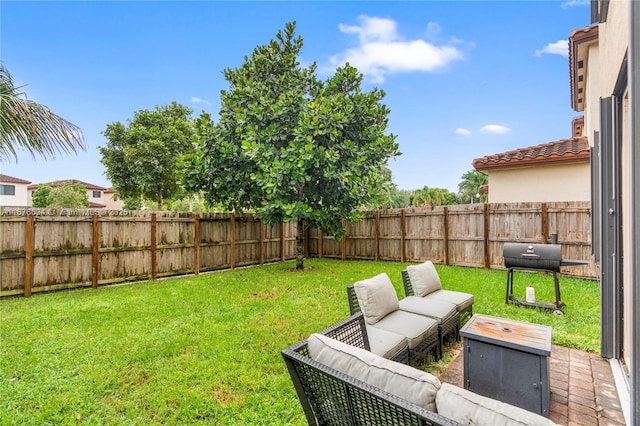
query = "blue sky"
x=463 y=79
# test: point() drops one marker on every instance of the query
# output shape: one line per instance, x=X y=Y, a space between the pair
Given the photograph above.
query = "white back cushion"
x=470 y=408
x=398 y=379
x=377 y=297
x=424 y=278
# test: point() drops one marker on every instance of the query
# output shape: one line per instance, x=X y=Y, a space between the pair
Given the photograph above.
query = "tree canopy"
x=469 y=187
x=141 y=158
x=70 y=195
x=292 y=147
x=28 y=125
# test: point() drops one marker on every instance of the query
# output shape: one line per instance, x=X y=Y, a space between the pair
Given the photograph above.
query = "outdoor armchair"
x=422 y=280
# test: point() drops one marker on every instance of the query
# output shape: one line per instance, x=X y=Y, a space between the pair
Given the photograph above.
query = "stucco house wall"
x=554 y=171
x=540 y=184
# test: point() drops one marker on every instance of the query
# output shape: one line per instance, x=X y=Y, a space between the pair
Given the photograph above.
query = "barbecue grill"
x=536 y=257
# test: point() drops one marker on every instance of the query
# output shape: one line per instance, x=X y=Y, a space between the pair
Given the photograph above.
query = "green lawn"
x=206 y=349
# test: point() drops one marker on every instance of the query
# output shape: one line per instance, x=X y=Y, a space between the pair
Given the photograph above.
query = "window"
x=97 y=194
x=7 y=190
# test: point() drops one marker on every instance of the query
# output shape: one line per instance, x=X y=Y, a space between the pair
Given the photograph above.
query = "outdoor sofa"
x=342 y=383
x=377 y=300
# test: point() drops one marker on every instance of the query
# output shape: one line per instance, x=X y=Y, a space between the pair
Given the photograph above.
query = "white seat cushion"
x=377 y=297
x=460 y=299
x=436 y=309
x=385 y=343
x=424 y=278
x=412 y=326
x=469 y=408
x=398 y=379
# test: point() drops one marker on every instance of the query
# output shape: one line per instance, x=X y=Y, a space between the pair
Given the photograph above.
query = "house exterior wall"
x=20 y=199
x=602 y=77
x=110 y=203
x=592 y=115
x=540 y=183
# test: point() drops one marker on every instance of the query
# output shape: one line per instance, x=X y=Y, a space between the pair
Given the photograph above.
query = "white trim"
x=622 y=386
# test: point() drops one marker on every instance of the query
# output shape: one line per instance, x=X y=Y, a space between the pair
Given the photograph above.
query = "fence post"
x=232 y=231
x=544 y=222
x=377 y=235
x=282 y=243
x=445 y=242
x=196 y=244
x=319 y=243
x=261 y=242
x=403 y=231
x=307 y=249
x=28 y=255
x=95 y=256
x=486 y=236
x=154 y=246
x=343 y=246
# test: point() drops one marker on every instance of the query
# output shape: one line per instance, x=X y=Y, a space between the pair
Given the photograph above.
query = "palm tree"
x=31 y=126
x=470 y=185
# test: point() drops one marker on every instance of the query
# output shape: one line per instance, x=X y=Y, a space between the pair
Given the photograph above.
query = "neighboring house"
x=99 y=197
x=555 y=171
x=110 y=201
x=13 y=192
x=604 y=61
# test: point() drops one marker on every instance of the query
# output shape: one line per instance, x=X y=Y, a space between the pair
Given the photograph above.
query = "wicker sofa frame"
x=465 y=314
x=329 y=397
x=430 y=345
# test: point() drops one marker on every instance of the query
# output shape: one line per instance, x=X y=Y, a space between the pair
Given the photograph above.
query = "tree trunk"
x=159 y=199
x=300 y=245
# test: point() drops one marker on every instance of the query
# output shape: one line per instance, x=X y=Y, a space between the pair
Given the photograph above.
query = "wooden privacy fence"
x=466 y=235
x=44 y=249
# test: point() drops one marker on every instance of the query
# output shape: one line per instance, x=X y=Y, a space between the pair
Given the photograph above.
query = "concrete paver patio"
x=583 y=391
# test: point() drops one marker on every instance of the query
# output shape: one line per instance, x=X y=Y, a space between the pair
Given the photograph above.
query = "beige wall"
x=569 y=182
x=21 y=199
x=592 y=115
x=110 y=203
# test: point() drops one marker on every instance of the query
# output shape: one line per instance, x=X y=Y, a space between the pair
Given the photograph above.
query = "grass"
x=206 y=349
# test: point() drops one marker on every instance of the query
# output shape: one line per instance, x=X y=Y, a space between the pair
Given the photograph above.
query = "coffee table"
x=508 y=360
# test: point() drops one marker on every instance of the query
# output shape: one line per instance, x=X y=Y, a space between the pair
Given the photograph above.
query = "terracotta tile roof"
x=11 y=179
x=563 y=151
x=62 y=182
x=96 y=205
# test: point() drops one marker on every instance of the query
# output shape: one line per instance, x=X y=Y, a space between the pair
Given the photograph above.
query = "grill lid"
x=532 y=256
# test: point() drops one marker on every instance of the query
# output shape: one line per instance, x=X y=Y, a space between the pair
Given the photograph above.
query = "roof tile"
x=562 y=151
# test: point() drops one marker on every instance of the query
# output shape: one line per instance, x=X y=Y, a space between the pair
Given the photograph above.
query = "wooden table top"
x=523 y=336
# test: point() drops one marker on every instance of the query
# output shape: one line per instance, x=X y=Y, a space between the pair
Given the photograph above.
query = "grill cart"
x=537 y=258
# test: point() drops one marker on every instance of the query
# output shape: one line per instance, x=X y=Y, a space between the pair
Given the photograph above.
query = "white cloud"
x=495 y=128
x=197 y=100
x=463 y=132
x=560 y=47
x=572 y=3
x=382 y=51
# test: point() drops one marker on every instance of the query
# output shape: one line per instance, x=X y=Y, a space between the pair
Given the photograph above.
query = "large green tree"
x=292 y=147
x=141 y=158
x=469 y=187
x=69 y=195
x=28 y=125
